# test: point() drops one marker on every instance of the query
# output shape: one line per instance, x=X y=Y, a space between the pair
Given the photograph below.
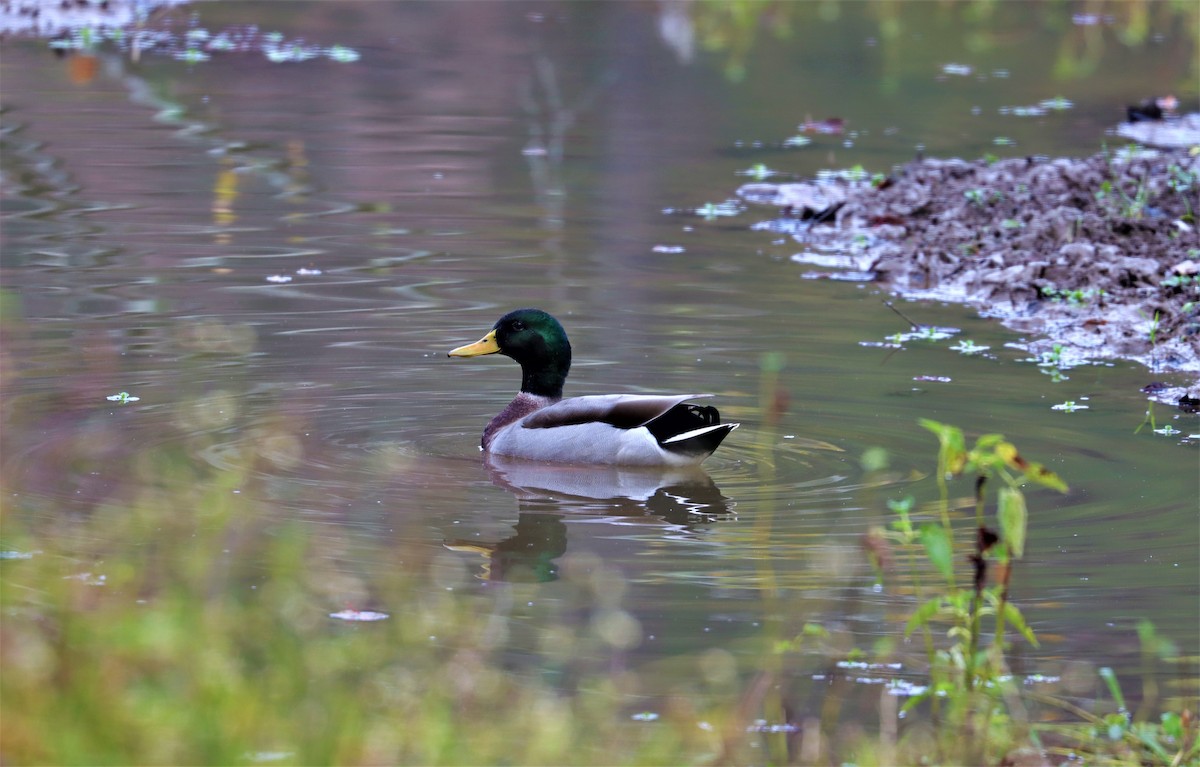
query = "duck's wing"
x=623 y=411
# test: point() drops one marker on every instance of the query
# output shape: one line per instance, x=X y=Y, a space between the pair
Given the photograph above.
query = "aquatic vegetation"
x=1070 y=406
x=123 y=397
x=1122 y=737
x=967 y=346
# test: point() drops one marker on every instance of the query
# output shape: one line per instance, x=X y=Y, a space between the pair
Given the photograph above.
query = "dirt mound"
x=1098 y=256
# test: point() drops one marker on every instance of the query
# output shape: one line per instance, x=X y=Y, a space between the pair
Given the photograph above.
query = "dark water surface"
x=484 y=156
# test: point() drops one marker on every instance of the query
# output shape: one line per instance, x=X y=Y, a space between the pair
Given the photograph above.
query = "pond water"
x=274 y=259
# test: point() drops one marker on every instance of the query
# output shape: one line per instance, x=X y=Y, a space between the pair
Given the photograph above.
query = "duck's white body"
x=615 y=429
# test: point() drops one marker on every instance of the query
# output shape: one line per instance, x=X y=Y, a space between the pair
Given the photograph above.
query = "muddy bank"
x=1099 y=256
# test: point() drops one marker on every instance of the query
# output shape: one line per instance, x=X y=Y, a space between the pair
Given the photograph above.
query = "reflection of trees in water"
x=734 y=28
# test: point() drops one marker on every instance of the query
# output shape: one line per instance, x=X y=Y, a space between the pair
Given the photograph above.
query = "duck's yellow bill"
x=485 y=345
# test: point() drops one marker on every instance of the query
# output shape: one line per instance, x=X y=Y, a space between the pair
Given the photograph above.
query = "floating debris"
x=268 y=756
x=668 y=249
x=279 y=278
x=123 y=397
x=761 y=725
x=308 y=272
x=958 y=70
x=88 y=578
x=758 y=172
x=1056 y=104
x=359 y=615
x=933 y=379
x=924 y=333
x=708 y=210
x=645 y=716
x=198 y=44
x=1168 y=431
x=1070 y=406
x=1023 y=111
x=17 y=554
x=830 y=126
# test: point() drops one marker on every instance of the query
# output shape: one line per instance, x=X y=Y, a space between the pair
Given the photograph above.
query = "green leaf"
x=1114 y=687
x=939 y=548
x=1013 y=519
x=952 y=451
x=921 y=616
x=1172 y=725
x=1014 y=618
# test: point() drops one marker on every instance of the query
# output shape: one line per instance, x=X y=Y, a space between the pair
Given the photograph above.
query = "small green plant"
x=758 y=172
x=967 y=346
x=970 y=686
x=983 y=197
x=1180 y=281
x=1070 y=406
x=1181 y=181
x=1074 y=297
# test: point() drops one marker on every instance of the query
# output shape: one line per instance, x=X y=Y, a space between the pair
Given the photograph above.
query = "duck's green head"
x=536 y=341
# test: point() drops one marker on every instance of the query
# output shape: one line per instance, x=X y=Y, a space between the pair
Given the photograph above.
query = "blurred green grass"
x=209 y=641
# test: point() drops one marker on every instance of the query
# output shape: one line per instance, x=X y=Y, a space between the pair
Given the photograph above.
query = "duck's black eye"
x=517 y=326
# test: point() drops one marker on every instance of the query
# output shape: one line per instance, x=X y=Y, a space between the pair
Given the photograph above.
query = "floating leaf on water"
x=1168 y=431
x=644 y=716
x=1003 y=141
x=1070 y=406
x=359 y=615
x=122 y=397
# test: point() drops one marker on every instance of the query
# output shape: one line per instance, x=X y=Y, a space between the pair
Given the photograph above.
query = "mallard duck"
x=619 y=429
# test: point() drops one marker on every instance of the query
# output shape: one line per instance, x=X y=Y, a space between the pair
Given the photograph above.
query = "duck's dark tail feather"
x=693 y=430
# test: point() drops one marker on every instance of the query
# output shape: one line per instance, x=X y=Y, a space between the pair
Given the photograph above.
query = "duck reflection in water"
x=551 y=496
